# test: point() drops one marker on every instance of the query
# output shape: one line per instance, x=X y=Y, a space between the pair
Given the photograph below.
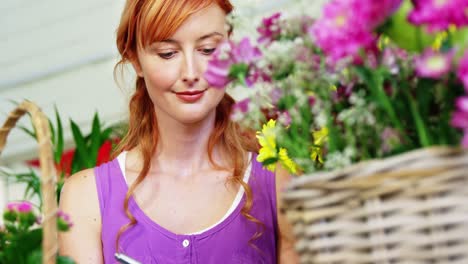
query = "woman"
x=186 y=187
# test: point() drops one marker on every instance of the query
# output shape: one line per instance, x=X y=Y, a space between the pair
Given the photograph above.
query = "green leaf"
x=374 y=81
x=269 y=161
x=286 y=102
x=81 y=148
x=52 y=132
x=106 y=133
x=405 y=34
x=60 y=145
x=95 y=139
x=239 y=69
x=31 y=133
x=65 y=260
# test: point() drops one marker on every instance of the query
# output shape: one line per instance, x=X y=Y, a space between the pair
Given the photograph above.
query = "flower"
x=460 y=118
x=438 y=15
x=286 y=161
x=231 y=61
x=347 y=25
x=239 y=109
x=432 y=64
x=358 y=85
x=390 y=138
x=270 y=29
x=462 y=72
x=23 y=207
x=340 y=33
x=320 y=137
x=64 y=222
x=219 y=66
x=268 y=152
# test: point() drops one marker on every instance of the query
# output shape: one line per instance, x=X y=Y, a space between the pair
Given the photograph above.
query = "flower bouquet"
x=368 y=105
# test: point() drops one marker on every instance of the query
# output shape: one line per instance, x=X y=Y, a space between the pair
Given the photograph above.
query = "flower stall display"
x=368 y=105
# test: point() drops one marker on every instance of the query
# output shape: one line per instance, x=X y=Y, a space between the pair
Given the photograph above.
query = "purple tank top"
x=227 y=242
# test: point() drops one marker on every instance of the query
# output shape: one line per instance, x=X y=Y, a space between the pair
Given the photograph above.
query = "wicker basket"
x=411 y=208
x=48 y=173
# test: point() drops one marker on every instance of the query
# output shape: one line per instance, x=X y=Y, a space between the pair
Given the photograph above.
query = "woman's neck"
x=183 y=147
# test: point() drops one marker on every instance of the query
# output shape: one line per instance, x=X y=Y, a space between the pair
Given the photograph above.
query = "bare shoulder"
x=78 y=184
x=79 y=196
x=79 y=199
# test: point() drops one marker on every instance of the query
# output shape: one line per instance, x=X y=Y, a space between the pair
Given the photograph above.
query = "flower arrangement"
x=20 y=239
x=368 y=79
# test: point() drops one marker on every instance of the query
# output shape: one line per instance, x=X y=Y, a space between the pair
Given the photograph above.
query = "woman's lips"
x=190 y=96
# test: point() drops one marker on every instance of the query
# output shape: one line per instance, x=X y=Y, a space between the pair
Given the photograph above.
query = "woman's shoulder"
x=79 y=198
x=81 y=181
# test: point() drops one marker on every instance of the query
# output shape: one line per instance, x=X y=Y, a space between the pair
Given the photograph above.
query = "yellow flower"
x=267 y=141
x=440 y=38
x=320 y=137
x=286 y=161
x=383 y=42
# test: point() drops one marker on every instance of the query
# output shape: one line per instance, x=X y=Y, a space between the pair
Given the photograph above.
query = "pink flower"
x=64 y=222
x=460 y=118
x=270 y=29
x=439 y=14
x=347 y=27
x=231 y=61
x=462 y=72
x=432 y=64
x=284 y=118
x=23 y=207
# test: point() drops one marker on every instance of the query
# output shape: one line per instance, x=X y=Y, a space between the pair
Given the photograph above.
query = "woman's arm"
x=79 y=199
x=286 y=252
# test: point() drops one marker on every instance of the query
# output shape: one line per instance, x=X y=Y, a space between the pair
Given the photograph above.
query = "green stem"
x=418 y=38
x=421 y=129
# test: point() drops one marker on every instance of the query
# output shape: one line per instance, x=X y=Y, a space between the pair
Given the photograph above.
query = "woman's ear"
x=137 y=67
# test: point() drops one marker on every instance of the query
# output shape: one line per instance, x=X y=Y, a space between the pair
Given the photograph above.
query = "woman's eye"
x=167 y=55
x=208 y=51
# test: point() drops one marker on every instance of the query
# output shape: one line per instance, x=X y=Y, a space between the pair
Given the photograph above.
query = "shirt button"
x=185 y=243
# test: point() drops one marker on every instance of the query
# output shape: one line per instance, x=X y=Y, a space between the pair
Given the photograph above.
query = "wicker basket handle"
x=48 y=173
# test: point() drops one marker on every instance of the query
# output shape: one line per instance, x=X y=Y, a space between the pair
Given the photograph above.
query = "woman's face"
x=173 y=69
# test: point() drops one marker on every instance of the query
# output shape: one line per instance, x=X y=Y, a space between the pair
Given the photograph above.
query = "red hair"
x=142 y=23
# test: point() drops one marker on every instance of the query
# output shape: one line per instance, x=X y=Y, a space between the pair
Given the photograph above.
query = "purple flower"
x=242 y=105
x=217 y=74
x=244 y=52
x=462 y=72
x=342 y=92
x=432 y=64
x=439 y=14
x=270 y=29
x=460 y=118
x=232 y=61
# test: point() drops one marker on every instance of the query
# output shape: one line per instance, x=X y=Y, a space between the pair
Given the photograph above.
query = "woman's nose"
x=190 y=72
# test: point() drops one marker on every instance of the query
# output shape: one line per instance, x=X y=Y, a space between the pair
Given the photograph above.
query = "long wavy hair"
x=142 y=23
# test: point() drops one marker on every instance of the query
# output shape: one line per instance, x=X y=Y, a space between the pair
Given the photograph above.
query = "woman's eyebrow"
x=213 y=34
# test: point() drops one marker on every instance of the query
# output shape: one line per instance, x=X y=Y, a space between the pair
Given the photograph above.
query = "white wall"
x=62 y=53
